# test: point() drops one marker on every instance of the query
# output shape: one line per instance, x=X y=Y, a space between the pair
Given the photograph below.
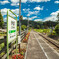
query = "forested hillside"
x=39 y=24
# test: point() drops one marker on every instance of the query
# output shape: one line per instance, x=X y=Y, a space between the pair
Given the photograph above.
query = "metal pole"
x=19 y=22
x=19 y=17
x=27 y=24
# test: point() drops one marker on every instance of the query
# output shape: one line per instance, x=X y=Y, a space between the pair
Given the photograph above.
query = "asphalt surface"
x=38 y=49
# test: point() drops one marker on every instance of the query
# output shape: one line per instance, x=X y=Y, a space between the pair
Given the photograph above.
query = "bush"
x=57 y=29
x=23 y=27
x=17 y=28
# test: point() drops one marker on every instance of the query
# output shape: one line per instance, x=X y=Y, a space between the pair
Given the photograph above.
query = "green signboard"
x=11 y=29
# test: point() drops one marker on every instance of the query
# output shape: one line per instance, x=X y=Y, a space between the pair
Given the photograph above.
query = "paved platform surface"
x=39 y=49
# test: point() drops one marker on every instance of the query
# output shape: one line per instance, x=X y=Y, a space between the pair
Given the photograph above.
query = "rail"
x=3 y=41
x=55 y=43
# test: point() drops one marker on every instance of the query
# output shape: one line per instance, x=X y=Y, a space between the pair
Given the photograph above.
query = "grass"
x=47 y=32
x=29 y=30
x=42 y=30
x=2 y=34
x=1 y=45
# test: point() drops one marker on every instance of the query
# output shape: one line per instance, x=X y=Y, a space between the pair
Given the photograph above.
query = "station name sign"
x=12 y=29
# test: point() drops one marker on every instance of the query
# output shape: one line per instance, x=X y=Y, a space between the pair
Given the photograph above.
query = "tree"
x=23 y=27
x=38 y=26
x=1 y=20
x=21 y=17
x=49 y=24
x=58 y=17
x=57 y=29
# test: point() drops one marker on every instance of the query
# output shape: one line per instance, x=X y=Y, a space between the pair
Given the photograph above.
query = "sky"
x=36 y=10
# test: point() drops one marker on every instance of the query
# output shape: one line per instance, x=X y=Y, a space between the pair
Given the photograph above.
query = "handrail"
x=23 y=34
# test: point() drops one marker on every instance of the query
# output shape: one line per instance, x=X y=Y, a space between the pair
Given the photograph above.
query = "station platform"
x=37 y=48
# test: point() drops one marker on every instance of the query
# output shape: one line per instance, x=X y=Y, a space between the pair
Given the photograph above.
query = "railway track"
x=54 y=44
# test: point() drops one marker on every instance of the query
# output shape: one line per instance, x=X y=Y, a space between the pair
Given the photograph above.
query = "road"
x=37 y=48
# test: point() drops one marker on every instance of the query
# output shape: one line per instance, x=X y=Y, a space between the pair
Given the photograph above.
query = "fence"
x=12 y=45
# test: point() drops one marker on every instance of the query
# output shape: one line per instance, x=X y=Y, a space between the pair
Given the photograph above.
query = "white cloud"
x=16 y=11
x=23 y=1
x=52 y=17
x=39 y=0
x=4 y=2
x=54 y=13
x=26 y=10
x=30 y=18
x=56 y=2
x=4 y=11
x=24 y=17
x=38 y=20
x=33 y=17
x=16 y=2
x=38 y=8
x=31 y=13
x=28 y=14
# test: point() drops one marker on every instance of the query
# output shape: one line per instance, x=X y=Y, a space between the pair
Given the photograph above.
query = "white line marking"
x=51 y=47
x=41 y=47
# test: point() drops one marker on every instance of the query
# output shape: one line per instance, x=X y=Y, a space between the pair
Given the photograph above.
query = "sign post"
x=11 y=29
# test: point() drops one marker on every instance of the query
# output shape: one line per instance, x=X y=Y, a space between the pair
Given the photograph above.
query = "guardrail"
x=12 y=45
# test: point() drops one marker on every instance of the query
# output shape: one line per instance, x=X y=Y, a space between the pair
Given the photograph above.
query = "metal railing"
x=12 y=45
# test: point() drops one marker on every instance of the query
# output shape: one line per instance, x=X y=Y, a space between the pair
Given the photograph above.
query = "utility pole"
x=27 y=24
x=19 y=37
x=58 y=18
x=19 y=17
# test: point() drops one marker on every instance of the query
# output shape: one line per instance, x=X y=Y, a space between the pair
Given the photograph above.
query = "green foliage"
x=48 y=24
x=17 y=28
x=57 y=29
x=38 y=26
x=2 y=33
x=33 y=24
x=22 y=53
x=21 y=17
x=58 y=17
x=1 y=46
x=1 y=20
x=23 y=27
x=42 y=30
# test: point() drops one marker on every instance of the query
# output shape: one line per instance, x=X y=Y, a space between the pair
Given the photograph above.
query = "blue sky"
x=37 y=10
